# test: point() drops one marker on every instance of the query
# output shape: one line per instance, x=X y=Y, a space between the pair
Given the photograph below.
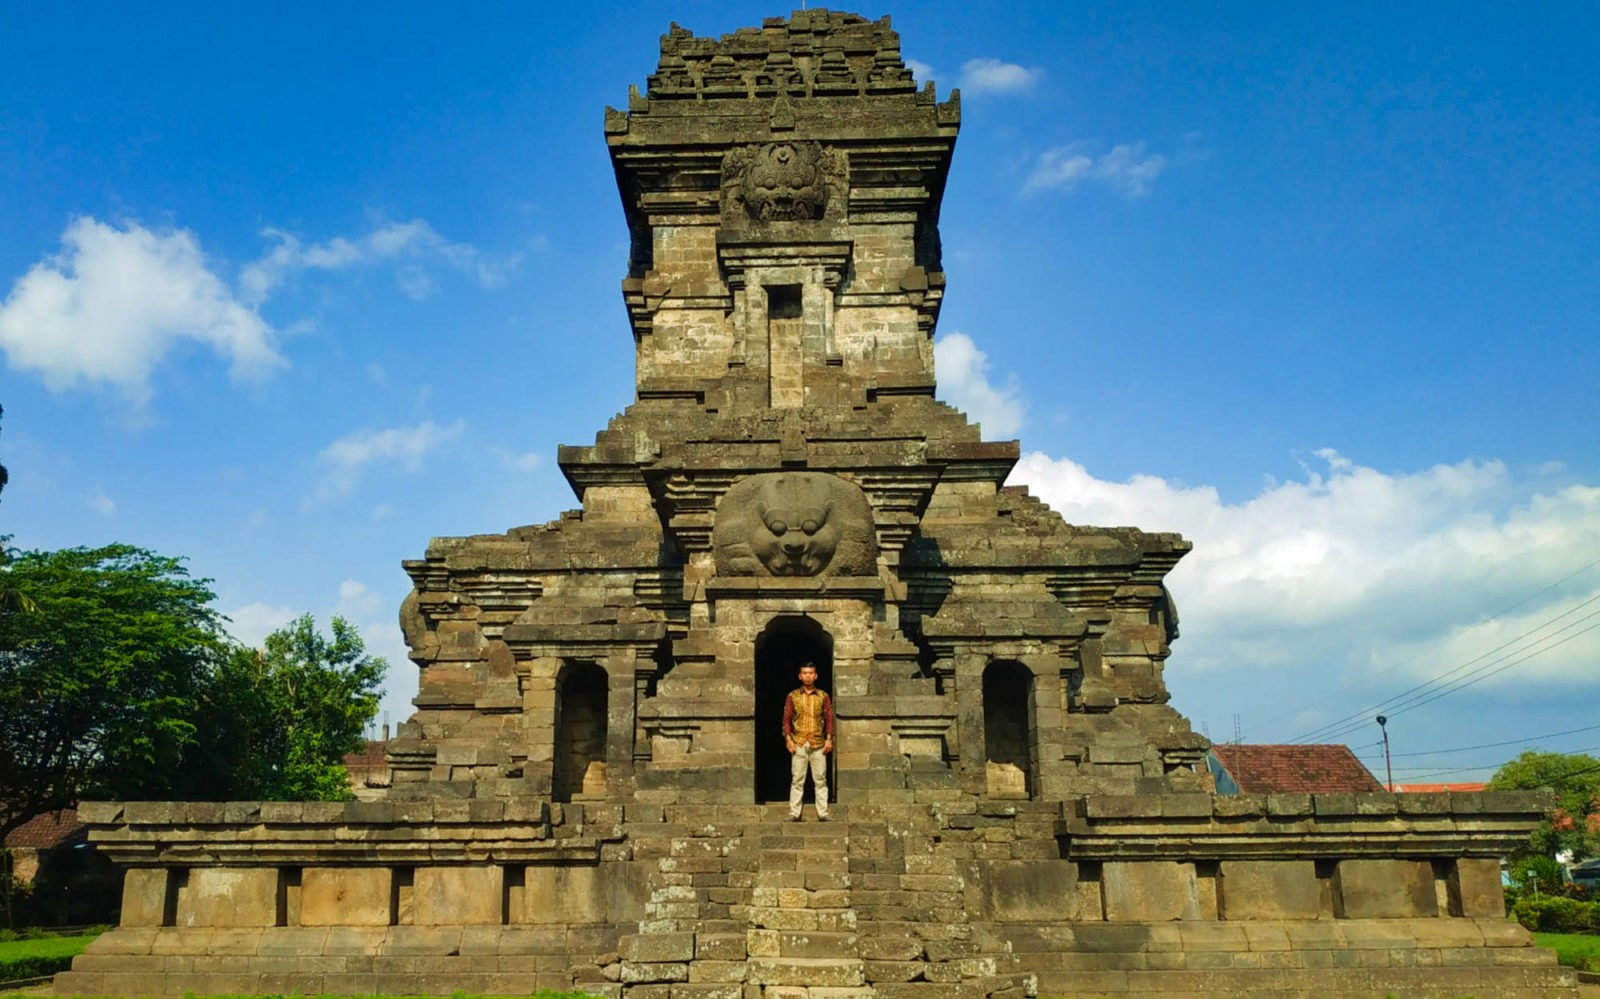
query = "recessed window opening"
x=1007 y=729
x=783 y=301
x=580 y=757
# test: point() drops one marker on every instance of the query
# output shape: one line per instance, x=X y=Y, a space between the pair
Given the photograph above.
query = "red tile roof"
x=369 y=766
x=1315 y=768
x=369 y=757
x=1434 y=788
x=45 y=830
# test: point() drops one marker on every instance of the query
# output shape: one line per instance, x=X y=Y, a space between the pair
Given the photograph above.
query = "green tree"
x=1574 y=823
x=280 y=719
x=1536 y=872
x=99 y=682
x=120 y=682
x=12 y=598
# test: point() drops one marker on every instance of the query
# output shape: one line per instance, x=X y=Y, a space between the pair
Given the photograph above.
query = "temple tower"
x=586 y=795
x=786 y=486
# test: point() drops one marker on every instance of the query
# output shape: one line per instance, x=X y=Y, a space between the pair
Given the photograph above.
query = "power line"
x=1442 y=642
x=1423 y=770
x=1326 y=731
x=1566 y=776
x=1496 y=745
x=1478 y=675
x=1485 y=671
x=1464 y=682
x=1418 y=778
x=1421 y=687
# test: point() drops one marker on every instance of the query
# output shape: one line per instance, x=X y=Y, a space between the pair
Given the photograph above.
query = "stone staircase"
x=918 y=938
x=742 y=900
x=802 y=925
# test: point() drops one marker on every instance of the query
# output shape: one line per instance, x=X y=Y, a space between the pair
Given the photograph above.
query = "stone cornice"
x=1300 y=826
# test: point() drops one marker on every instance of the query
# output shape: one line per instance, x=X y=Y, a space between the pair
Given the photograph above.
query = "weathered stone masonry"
x=586 y=796
x=1176 y=895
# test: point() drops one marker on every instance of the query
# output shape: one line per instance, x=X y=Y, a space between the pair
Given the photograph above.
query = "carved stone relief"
x=780 y=181
x=794 y=524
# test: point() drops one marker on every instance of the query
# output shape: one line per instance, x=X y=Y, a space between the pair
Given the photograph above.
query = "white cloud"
x=1128 y=169
x=920 y=70
x=409 y=245
x=251 y=624
x=963 y=373
x=992 y=76
x=356 y=602
x=113 y=302
x=102 y=504
x=415 y=282
x=1344 y=587
x=1355 y=576
x=349 y=456
x=525 y=462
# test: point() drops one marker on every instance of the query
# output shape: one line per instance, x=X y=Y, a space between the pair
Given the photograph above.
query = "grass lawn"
x=1579 y=950
x=43 y=956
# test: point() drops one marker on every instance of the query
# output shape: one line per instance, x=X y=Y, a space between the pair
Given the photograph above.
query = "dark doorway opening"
x=783 y=645
x=1008 y=729
x=580 y=756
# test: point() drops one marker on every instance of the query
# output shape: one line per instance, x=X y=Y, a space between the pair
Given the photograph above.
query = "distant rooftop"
x=45 y=830
x=1310 y=769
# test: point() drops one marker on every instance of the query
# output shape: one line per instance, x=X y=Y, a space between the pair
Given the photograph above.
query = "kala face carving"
x=794 y=524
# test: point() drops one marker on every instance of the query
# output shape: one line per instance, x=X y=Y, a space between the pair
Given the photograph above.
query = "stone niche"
x=590 y=794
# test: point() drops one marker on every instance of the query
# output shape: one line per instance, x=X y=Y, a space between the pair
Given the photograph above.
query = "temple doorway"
x=1007 y=729
x=782 y=646
x=580 y=753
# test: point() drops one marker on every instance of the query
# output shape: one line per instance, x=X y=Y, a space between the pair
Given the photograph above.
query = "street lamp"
x=1388 y=772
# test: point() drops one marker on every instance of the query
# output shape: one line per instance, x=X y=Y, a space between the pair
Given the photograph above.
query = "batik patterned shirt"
x=808 y=717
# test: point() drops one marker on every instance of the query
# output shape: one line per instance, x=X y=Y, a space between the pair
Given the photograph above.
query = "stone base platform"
x=395 y=960
x=1356 y=958
x=1412 y=958
x=956 y=900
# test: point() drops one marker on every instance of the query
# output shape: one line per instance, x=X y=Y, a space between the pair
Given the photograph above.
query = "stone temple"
x=588 y=795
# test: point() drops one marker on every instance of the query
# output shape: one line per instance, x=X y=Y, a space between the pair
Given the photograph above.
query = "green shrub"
x=1553 y=914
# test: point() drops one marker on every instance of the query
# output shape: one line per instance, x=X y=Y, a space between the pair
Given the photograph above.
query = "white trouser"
x=814 y=758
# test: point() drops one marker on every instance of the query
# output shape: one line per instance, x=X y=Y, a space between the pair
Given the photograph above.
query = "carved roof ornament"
x=813 y=53
x=780 y=181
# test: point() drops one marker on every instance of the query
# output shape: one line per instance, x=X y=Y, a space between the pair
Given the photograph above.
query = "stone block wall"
x=955 y=900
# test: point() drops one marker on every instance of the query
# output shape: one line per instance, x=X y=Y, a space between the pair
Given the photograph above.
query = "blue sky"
x=288 y=290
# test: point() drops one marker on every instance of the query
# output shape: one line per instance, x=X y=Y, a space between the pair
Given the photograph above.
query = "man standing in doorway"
x=808 y=732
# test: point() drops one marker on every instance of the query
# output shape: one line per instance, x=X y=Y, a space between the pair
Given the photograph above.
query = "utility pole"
x=1388 y=772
